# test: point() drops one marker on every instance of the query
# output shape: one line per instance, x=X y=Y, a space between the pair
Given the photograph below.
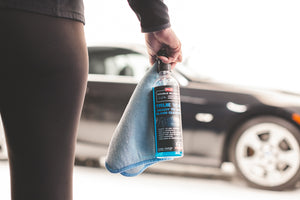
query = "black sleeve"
x=153 y=14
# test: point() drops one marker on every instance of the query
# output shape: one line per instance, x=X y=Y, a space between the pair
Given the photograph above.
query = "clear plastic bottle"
x=167 y=114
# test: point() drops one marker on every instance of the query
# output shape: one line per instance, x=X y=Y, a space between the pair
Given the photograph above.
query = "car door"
x=113 y=75
x=208 y=112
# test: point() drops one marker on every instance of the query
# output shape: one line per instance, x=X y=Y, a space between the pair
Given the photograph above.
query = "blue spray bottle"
x=167 y=114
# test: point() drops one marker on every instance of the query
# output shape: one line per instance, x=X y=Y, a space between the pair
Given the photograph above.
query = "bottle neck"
x=164 y=73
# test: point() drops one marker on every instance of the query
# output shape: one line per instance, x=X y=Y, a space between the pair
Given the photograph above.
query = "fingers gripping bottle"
x=167 y=114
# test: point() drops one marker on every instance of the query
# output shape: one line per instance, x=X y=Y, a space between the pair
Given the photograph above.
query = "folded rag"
x=132 y=147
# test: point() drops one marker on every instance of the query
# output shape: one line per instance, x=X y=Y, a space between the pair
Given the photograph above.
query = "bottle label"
x=167 y=118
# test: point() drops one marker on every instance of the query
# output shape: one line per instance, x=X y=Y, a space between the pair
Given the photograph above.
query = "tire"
x=266 y=153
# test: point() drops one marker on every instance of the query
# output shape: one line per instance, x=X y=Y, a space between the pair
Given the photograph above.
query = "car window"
x=118 y=62
x=126 y=65
x=130 y=64
x=96 y=64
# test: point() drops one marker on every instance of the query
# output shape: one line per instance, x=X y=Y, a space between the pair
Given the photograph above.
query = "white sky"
x=245 y=42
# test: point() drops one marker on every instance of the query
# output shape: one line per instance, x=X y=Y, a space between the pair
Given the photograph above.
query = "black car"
x=258 y=130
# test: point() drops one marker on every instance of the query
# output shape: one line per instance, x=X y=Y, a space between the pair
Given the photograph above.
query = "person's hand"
x=167 y=40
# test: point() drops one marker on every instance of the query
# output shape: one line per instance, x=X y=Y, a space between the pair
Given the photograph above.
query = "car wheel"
x=266 y=153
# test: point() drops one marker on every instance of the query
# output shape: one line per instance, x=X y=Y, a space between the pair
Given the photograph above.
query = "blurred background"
x=243 y=42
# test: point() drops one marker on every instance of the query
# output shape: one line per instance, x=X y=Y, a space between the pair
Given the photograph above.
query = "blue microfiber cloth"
x=132 y=147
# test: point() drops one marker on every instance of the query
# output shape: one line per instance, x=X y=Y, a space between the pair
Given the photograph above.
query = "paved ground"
x=97 y=183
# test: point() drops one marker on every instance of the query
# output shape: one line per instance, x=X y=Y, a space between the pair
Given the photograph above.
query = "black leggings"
x=43 y=76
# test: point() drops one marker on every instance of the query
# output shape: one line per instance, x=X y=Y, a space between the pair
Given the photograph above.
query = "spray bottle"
x=167 y=114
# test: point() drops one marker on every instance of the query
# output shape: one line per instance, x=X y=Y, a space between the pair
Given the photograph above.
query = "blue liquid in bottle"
x=167 y=114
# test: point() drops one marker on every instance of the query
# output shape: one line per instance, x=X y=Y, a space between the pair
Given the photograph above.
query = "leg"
x=43 y=82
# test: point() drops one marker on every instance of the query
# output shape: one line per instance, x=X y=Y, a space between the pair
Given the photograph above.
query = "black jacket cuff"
x=153 y=14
